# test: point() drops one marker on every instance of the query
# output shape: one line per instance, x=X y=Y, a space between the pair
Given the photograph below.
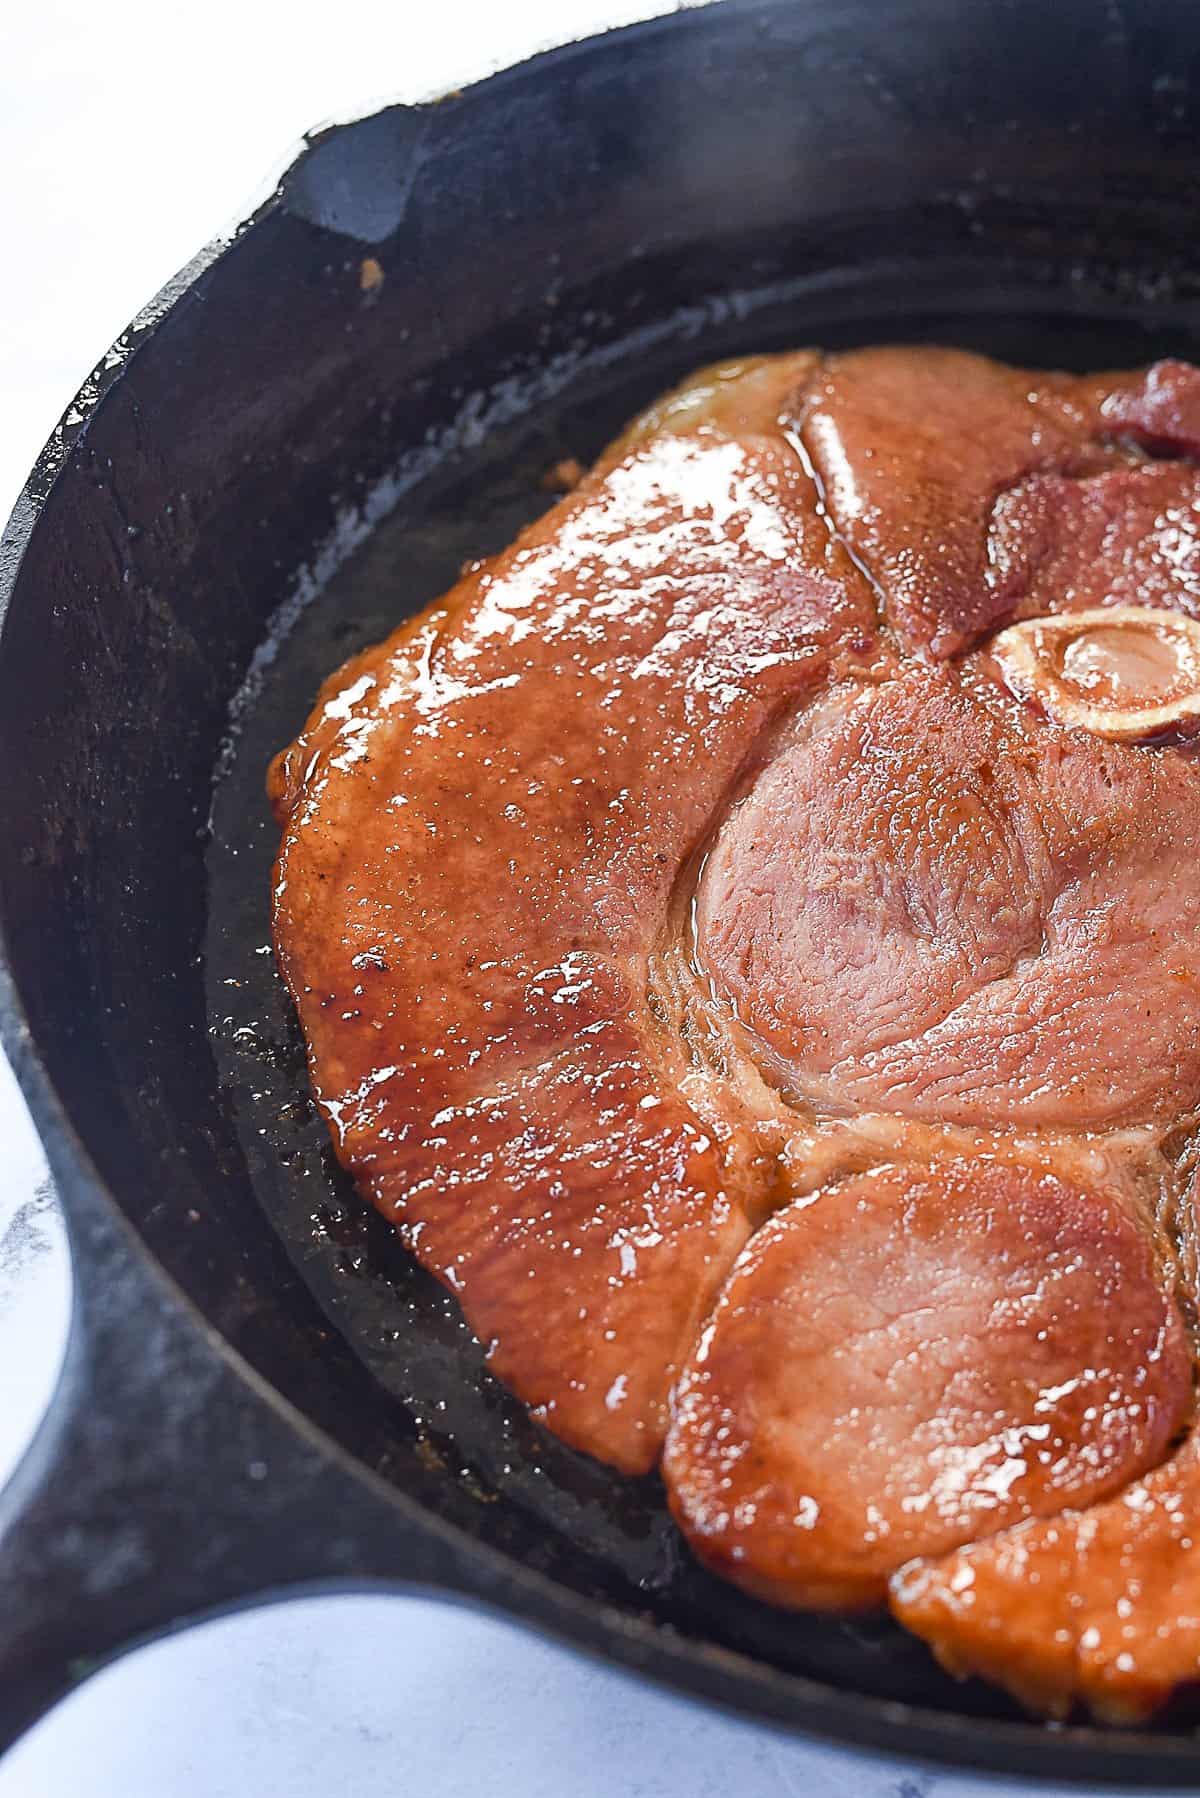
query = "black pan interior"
x=438 y=306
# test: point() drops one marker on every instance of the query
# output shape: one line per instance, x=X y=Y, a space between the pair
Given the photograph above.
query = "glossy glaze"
x=681 y=876
x=916 y=453
x=1101 y=1605
x=484 y=823
x=910 y=1359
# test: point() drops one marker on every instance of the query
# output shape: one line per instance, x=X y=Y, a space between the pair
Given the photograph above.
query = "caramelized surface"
x=908 y=1360
x=1100 y=1605
x=730 y=981
x=483 y=822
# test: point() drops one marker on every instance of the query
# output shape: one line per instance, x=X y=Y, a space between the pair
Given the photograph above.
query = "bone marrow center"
x=1124 y=665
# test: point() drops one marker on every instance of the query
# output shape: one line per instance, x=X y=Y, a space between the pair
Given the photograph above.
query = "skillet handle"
x=166 y=1483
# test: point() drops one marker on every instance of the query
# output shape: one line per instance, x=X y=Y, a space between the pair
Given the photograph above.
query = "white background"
x=130 y=133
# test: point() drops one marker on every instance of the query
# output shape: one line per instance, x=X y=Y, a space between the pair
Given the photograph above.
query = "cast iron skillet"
x=260 y=1392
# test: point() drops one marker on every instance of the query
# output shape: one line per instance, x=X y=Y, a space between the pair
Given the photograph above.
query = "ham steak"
x=747 y=938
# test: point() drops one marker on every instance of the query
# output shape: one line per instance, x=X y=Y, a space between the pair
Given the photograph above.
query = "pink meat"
x=930 y=905
x=1129 y=536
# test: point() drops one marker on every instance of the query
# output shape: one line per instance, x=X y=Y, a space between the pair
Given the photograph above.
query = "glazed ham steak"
x=747 y=937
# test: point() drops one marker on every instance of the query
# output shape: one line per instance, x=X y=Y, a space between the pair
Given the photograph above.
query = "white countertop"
x=129 y=134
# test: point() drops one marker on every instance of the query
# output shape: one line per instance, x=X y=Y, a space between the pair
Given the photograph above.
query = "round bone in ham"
x=1125 y=673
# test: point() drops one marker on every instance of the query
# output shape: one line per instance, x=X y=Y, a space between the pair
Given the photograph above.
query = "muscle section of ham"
x=747 y=938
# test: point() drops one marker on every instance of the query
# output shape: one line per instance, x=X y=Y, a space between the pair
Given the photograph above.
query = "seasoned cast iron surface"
x=404 y=1327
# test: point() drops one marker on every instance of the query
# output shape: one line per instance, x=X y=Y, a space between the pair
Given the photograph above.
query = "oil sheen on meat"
x=747 y=937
